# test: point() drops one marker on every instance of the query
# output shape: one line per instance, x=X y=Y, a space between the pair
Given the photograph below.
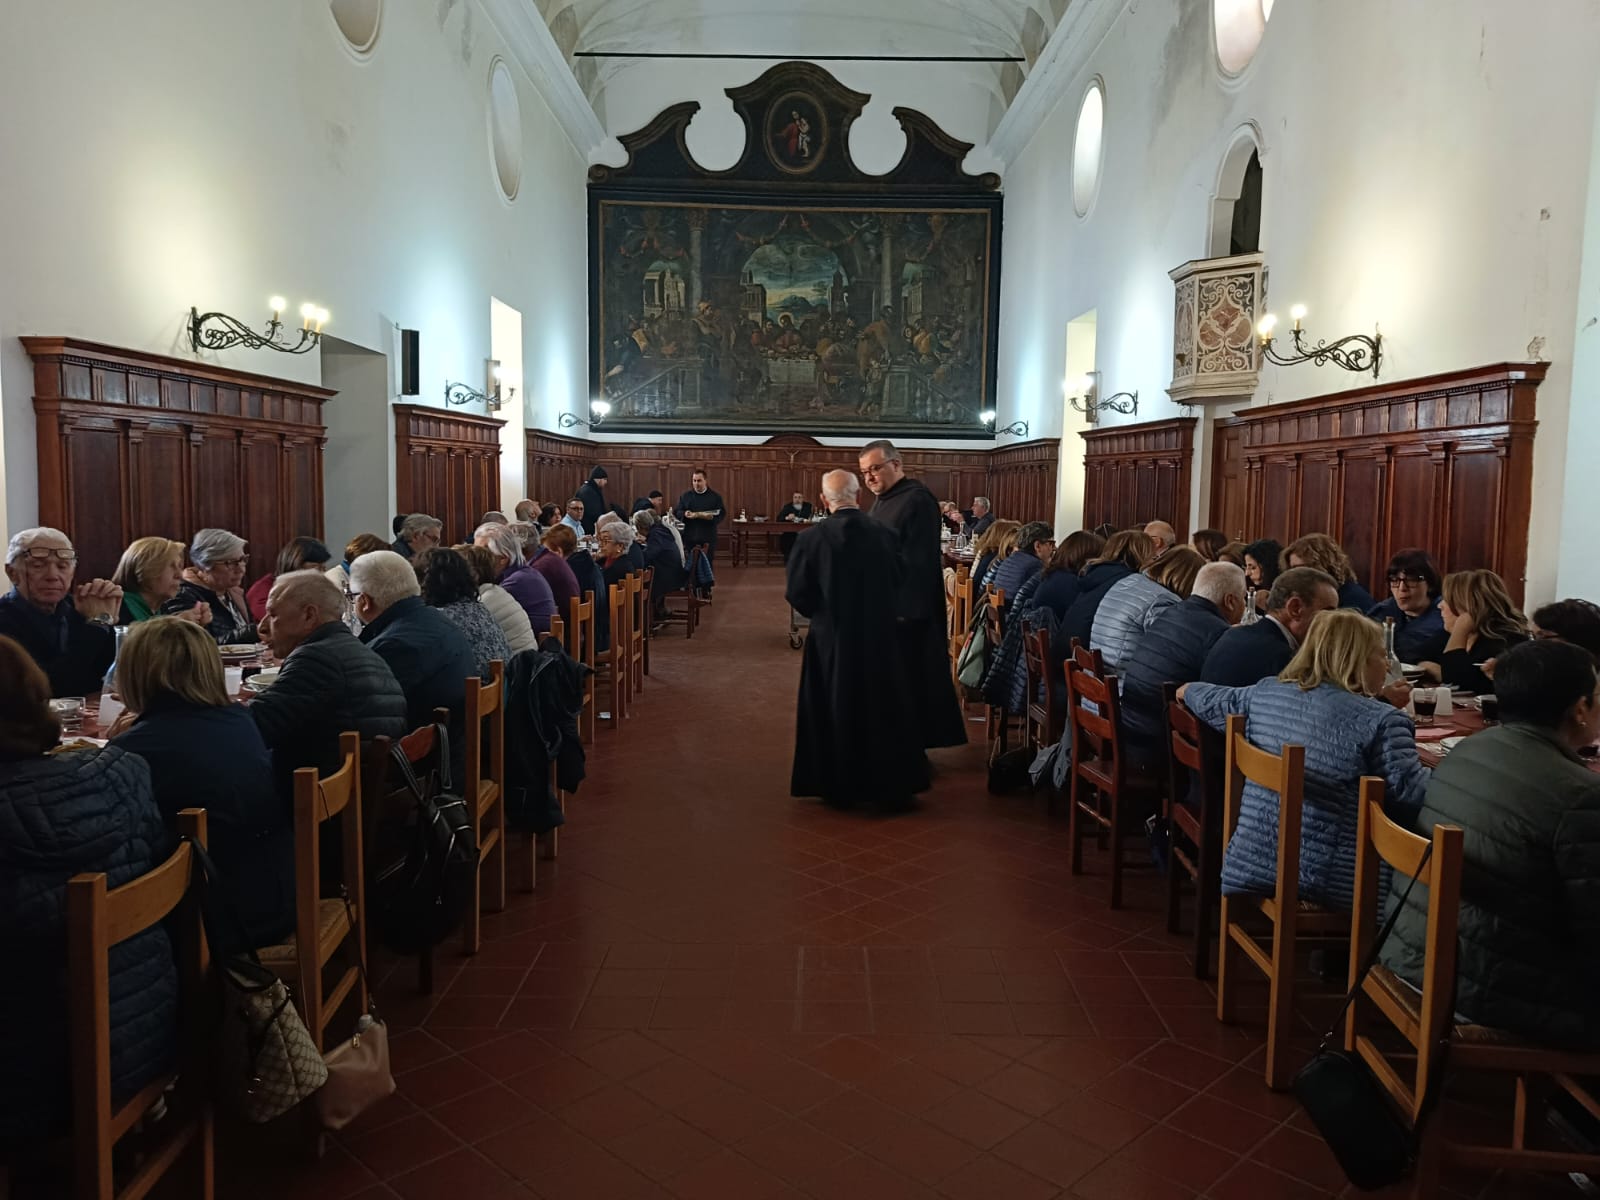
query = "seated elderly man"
x=329 y=682
x=418 y=532
x=527 y=586
x=428 y=654
x=1163 y=535
x=66 y=630
x=574 y=518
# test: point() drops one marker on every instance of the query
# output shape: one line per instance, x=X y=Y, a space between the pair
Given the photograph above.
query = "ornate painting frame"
x=794 y=292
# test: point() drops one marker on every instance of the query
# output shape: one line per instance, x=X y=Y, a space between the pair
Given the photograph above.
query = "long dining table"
x=1464 y=720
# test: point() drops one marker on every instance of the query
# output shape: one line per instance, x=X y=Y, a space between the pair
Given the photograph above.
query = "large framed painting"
x=793 y=292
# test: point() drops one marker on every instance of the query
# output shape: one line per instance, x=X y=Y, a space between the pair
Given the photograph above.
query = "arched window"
x=1236 y=203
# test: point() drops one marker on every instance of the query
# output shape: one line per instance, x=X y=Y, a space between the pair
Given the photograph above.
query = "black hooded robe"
x=594 y=502
x=850 y=746
x=910 y=509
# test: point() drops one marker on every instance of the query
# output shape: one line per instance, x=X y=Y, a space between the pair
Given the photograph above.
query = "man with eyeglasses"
x=66 y=630
x=912 y=512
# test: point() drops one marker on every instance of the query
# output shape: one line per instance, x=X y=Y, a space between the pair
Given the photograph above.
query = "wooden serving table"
x=744 y=536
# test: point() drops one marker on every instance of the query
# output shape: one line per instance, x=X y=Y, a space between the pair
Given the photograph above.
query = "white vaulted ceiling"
x=804 y=29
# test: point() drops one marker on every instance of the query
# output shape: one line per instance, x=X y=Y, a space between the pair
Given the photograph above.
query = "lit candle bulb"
x=308 y=313
x=322 y=318
x=1268 y=324
x=1298 y=313
x=277 y=304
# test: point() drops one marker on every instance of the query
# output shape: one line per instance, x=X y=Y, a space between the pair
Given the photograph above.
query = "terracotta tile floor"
x=719 y=991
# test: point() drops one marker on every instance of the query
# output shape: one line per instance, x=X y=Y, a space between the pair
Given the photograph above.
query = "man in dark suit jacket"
x=980 y=518
x=1248 y=654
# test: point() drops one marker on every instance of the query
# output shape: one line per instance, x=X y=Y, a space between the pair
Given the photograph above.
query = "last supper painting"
x=794 y=318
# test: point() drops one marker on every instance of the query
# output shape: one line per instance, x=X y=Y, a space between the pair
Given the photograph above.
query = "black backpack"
x=420 y=890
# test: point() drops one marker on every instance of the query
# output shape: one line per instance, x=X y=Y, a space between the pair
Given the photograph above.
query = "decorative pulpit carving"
x=1216 y=304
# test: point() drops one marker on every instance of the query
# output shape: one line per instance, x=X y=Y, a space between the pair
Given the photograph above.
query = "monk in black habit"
x=855 y=743
x=910 y=509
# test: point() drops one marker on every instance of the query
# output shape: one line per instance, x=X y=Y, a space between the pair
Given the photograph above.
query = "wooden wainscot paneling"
x=1135 y=474
x=134 y=444
x=447 y=464
x=1444 y=463
x=759 y=478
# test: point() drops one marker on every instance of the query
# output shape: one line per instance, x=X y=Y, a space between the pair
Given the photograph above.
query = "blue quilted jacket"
x=1130 y=607
x=87 y=810
x=1173 y=650
x=1346 y=736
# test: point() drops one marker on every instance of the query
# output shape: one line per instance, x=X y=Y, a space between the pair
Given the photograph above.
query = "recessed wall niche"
x=1088 y=148
x=505 y=129
x=358 y=21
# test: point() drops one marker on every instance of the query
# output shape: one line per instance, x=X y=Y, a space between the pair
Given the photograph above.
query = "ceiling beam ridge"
x=613 y=21
x=1072 y=46
x=541 y=60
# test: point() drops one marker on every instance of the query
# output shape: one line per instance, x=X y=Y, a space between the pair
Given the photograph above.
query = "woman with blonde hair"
x=1330 y=699
x=150 y=573
x=204 y=751
x=1322 y=552
x=994 y=545
x=1483 y=621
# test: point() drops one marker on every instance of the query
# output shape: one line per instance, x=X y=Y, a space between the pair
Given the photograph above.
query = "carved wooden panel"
x=447 y=464
x=1444 y=463
x=760 y=478
x=134 y=444
x=1134 y=474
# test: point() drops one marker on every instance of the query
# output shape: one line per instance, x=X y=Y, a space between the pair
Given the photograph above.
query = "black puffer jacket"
x=1096 y=580
x=230 y=622
x=330 y=683
x=1529 y=957
x=1172 y=650
x=86 y=810
x=544 y=693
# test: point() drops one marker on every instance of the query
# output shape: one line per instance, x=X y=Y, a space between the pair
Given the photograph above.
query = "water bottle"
x=110 y=685
x=1393 y=673
x=1251 y=616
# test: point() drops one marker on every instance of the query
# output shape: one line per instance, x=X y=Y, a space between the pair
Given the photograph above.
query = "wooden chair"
x=649 y=614
x=1194 y=831
x=996 y=723
x=326 y=925
x=1042 y=723
x=611 y=664
x=1289 y=918
x=485 y=793
x=689 y=594
x=389 y=811
x=1114 y=798
x=97 y=920
x=558 y=630
x=638 y=631
x=580 y=644
x=961 y=603
x=1423 y=1019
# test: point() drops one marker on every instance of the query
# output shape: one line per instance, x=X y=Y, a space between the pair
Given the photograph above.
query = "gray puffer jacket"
x=81 y=811
x=1529 y=935
x=1129 y=608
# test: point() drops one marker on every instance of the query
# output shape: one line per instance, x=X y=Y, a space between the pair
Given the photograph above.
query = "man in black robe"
x=910 y=509
x=854 y=745
x=701 y=511
x=593 y=495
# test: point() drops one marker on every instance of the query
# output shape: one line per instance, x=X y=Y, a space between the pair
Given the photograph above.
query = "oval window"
x=1088 y=148
x=357 y=21
x=505 y=129
x=1239 y=25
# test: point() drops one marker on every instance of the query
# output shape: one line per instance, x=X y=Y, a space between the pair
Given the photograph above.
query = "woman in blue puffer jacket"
x=62 y=814
x=1331 y=700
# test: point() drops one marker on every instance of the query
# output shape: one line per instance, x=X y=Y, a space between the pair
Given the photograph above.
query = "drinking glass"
x=1426 y=702
x=69 y=711
x=1489 y=706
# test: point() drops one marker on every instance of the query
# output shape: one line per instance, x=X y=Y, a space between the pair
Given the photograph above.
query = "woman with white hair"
x=527 y=587
x=217 y=560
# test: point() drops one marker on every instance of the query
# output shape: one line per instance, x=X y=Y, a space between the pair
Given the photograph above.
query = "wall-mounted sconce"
x=1350 y=352
x=599 y=410
x=1015 y=429
x=463 y=394
x=1090 y=403
x=219 y=331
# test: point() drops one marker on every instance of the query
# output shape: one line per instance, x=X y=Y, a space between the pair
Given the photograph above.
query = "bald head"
x=840 y=489
x=310 y=590
x=1162 y=534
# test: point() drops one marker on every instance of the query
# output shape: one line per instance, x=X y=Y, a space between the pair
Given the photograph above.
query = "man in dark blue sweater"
x=1173 y=650
x=1251 y=653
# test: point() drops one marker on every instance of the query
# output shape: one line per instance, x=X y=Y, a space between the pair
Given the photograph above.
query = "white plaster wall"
x=1425 y=167
x=168 y=153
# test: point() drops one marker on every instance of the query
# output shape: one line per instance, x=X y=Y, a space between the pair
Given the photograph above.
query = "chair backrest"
x=558 y=630
x=1036 y=658
x=384 y=804
x=1283 y=773
x=97 y=920
x=617 y=598
x=1092 y=713
x=638 y=614
x=995 y=615
x=486 y=729
x=1378 y=841
x=580 y=629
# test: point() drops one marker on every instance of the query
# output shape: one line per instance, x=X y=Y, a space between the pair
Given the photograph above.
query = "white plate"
x=243 y=650
x=260 y=681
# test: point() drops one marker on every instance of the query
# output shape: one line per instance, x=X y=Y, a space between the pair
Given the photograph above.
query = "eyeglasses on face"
x=230 y=562
x=1406 y=577
x=44 y=554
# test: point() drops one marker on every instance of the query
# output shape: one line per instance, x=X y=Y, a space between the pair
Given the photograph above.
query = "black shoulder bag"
x=1351 y=1110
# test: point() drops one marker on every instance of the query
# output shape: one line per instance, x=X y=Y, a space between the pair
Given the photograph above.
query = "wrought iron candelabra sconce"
x=1091 y=404
x=1015 y=429
x=1357 y=352
x=463 y=394
x=219 y=331
x=599 y=410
